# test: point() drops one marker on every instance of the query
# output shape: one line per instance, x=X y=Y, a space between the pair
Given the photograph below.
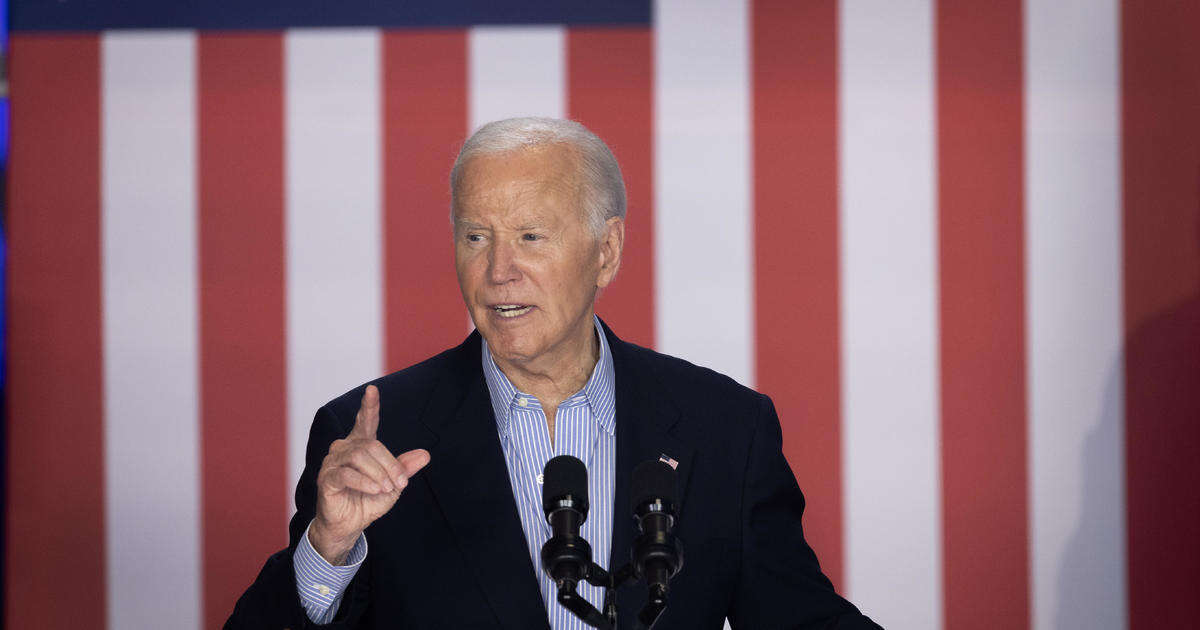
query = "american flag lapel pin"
x=670 y=461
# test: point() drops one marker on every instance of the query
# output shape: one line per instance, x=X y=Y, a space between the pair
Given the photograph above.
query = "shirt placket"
x=576 y=433
x=535 y=451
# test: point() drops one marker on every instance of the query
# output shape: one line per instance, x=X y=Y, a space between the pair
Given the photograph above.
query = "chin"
x=504 y=343
x=509 y=355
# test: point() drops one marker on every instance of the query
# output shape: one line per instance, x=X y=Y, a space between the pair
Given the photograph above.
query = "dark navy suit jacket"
x=451 y=552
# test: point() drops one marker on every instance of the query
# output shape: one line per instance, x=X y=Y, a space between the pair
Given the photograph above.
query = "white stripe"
x=516 y=71
x=1076 y=394
x=151 y=457
x=889 y=312
x=334 y=272
x=702 y=233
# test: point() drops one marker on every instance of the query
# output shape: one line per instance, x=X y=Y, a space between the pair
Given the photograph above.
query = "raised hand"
x=359 y=481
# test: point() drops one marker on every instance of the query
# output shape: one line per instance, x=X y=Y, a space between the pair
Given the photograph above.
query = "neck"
x=551 y=381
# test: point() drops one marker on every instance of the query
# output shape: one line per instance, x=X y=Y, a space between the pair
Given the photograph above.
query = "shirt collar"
x=598 y=390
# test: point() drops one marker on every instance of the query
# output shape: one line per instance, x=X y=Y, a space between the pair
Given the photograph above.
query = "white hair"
x=605 y=194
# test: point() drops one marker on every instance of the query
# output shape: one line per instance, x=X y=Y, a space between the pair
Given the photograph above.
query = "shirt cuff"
x=321 y=584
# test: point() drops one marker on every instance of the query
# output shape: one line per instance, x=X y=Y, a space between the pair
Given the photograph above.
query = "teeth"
x=511 y=310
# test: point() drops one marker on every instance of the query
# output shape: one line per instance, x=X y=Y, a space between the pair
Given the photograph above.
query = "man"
x=538 y=210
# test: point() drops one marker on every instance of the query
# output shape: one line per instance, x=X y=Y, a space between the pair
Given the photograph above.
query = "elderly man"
x=538 y=219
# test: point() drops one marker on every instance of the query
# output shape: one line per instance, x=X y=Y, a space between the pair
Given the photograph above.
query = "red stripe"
x=796 y=251
x=425 y=122
x=984 y=479
x=243 y=359
x=1160 y=106
x=56 y=543
x=610 y=88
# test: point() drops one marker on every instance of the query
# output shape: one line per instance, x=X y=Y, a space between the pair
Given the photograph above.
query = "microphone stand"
x=595 y=575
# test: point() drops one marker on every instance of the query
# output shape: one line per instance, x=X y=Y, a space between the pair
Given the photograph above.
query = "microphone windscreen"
x=564 y=476
x=653 y=479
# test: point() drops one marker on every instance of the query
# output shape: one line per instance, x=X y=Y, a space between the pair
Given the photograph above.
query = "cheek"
x=463 y=275
x=467 y=265
x=468 y=285
x=574 y=283
x=558 y=277
x=584 y=270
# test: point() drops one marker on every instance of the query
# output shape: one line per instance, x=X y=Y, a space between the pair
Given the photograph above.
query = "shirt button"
x=322 y=589
x=524 y=402
x=539 y=478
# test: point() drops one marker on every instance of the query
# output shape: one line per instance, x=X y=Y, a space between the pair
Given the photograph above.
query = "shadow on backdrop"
x=1160 y=376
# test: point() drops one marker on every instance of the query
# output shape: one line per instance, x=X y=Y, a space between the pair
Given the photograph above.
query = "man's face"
x=528 y=263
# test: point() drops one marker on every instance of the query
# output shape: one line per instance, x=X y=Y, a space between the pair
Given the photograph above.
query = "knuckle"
x=330 y=475
x=363 y=460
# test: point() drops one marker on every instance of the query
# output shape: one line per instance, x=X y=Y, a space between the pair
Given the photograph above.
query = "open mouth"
x=511 y=310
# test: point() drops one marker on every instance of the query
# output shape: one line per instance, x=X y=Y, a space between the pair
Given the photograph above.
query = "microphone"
x=657 y=553
x=567 y=557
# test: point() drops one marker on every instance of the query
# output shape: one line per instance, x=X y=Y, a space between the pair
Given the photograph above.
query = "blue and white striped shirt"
x=584 y=427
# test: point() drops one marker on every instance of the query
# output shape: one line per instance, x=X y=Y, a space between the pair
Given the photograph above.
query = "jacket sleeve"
x=781 y=583
x=272 y=601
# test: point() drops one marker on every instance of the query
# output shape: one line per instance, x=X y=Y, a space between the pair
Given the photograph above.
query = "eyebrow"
x=535 y=224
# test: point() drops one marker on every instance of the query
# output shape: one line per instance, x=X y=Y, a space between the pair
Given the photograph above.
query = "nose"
x=503 y=266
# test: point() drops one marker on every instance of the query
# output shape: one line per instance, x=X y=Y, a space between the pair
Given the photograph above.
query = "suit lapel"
x=469 y=479
x=645 y=418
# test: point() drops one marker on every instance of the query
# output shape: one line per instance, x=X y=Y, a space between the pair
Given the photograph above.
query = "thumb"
x=413 y=461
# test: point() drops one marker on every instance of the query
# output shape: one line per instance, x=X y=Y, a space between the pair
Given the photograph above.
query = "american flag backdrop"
x=957 y=241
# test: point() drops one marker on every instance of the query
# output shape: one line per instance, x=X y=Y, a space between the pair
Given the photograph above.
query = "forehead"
x=537 y=180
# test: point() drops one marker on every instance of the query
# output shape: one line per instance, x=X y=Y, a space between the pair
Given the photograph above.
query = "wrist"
x=333 y=549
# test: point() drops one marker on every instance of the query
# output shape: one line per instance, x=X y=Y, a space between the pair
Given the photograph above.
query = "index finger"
x=366 y=423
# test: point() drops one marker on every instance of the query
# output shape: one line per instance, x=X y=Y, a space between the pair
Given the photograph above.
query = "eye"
x=474 y=238
x=530 y=236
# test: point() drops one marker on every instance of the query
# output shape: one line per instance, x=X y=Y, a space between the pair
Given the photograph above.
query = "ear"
x=612 y=241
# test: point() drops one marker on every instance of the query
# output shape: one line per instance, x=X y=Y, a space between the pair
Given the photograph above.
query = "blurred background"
x=957 y=242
